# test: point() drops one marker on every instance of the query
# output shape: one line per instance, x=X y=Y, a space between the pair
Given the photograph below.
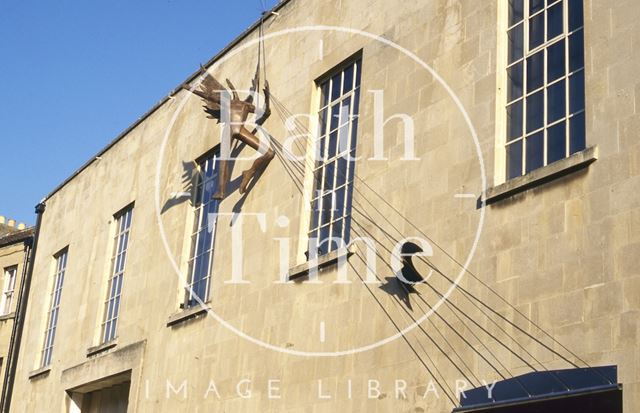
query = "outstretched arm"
x=267 y=104
x=254 y=86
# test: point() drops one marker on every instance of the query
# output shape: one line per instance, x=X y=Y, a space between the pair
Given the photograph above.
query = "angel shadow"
x=401 y=285
x=189 y=179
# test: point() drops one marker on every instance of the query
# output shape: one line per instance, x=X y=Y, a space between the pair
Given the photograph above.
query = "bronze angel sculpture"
x=214 y=95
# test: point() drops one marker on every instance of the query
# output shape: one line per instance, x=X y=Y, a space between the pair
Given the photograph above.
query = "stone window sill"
x=8 y=316
x=578 y=160
x=92 y=351
x=187 y=314
x=39 y=373
x=323 y=262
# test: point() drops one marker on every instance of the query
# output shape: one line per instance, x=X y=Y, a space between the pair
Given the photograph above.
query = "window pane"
x=535 y=6
x=358 y=73
x=339 y=203
x=556 y=103
x=556 y=142
x=536 y=31
x=348 y=80
x=209 y=169
x=356 y=106
x=516 y=11
x=121 y=224
x=354 y=119
x=345 y=109
x=324 y=92
x=336 y=82
x=514 y=159
x=113 y=329
x=119 y=279
x=341 y=172
x=329 y=173
x=343 y=138
x=535 y=71
x=110 y=305
x=107 y=332
x=198 y=188
x=577 y=137
x=208 y=188
x=514 y=86
x=124 y=244
x=335 y=117
x=575 y=14
x=323 y=247
x=354 y=128
x=116 y=307
x=555 y=59
x=576 y=51
x=351 y=166
x=576 y=92
x=207 y=233
x=201 y=246
x=119 y=264
x=554 y=21
x=315 y=213
x=535 y=111
x=327 y=207
x=332 y=145
x=514 y=120
x=336 y=232
x=199 y=269
x=197 y=292
x=320 y=147
x=516 y=40
x=535 y=151
x=323 y=121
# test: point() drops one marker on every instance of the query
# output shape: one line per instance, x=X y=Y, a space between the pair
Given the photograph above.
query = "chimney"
x=2 y=219
x=21 y=226
x=11 y=223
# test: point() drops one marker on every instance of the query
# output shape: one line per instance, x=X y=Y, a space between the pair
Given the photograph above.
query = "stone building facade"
x=500 y=133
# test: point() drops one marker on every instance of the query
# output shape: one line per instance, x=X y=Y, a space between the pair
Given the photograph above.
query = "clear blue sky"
x=74 y=74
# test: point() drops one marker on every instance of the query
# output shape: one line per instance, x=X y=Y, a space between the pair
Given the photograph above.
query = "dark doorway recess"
x=582 y=390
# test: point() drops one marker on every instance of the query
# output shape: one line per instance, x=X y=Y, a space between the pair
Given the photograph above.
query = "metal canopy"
x=584 y=390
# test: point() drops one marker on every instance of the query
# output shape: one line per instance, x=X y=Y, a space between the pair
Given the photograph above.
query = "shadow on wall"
x=398 y=285
x=190 y=176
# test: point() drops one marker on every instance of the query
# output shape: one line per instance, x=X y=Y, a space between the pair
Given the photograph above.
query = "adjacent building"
x=16 y=241
x=487 y=148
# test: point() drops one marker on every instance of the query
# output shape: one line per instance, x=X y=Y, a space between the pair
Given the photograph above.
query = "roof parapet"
x=9 y=222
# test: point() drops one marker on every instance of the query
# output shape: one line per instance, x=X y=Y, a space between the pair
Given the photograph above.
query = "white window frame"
x=54 y=307
x=121 y=242
x=202 y=188
x=500 y=173
x=10 y=275
x=347 y=127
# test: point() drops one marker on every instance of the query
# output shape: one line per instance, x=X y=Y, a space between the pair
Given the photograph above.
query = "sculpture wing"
x=210 y=90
